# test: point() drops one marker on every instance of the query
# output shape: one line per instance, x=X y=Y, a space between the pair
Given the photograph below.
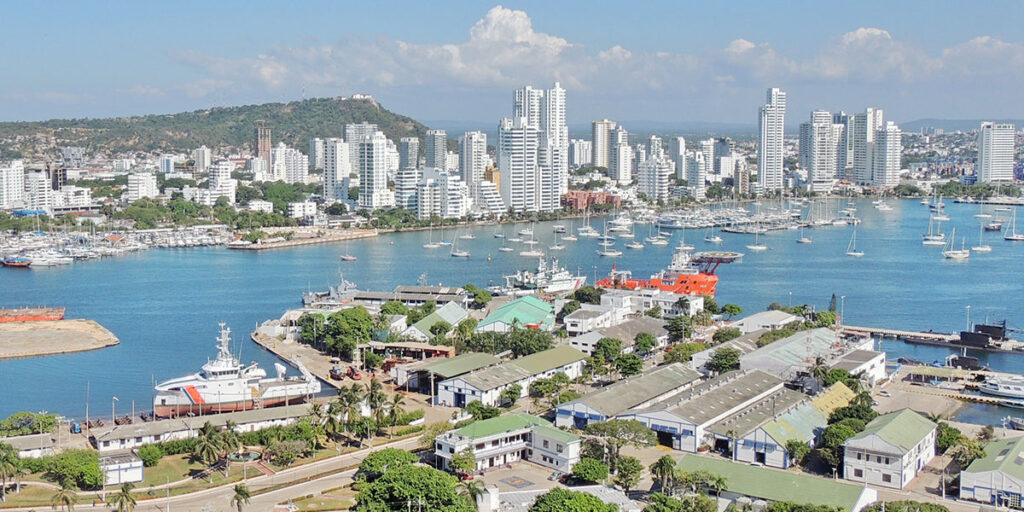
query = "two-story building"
x=508 y=439
x=891 y=450
x=486 y=385
x=638 y=391
x=998 y=477
x=625 y=332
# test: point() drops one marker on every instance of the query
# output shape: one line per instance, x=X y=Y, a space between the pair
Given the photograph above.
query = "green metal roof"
x=799 y=424
x=499 y=424
x=526 y=310
x=550 y=359
x=1003 y=455
x=465 y=363
x=557 y=434
x=450 y=312
x=775 y=485
x=902 y=429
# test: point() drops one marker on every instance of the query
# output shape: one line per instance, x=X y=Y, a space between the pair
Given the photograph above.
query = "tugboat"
x=225 y=385
x=686 y=274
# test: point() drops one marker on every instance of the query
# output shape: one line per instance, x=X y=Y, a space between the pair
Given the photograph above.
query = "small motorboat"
x=347 y=257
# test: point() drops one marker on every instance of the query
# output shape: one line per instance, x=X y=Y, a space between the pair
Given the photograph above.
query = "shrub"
x=150 y=454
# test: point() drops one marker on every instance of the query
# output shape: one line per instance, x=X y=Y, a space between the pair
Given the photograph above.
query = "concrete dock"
x=326 y=238
x=44 y=338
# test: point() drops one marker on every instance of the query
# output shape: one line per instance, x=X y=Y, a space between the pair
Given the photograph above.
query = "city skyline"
x=464 y=74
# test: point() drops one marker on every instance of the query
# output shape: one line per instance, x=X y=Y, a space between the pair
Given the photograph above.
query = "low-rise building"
x=998 y=477
x=301 y=210
x=891 y=450
x=637 y=391
x=425 y=375
x=508 y=439
x=683 y=422
x=486 y=385
x=121 y=468
x=770 y=320
x=260 y=205
x=524 y=312
x=450 y=313
x=744 y=482
x=588 y=318
x=31 y=446
x=744 y=344
x=625 y=332
x=867 y=363
x=794 y=355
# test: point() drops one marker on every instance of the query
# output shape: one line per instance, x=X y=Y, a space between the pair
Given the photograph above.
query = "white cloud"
x=141 y=91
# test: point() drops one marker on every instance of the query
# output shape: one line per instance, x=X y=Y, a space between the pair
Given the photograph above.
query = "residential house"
x=891 y=450
x=487 y=384
x=508 y=439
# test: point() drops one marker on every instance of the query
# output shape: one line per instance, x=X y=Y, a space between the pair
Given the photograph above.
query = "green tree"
x=659 y=502
x=965 y=451
x=463 y=462
x=512 y=394
x=80 y=468
x=394 y=307
x=481 y=411
x=241 y=496
x=628 y=474
x=683 y=352
x=588 y=294
x=65 y=498
x=208 y=445
x=946 y=437
x=644 y=342
x=711 y=305
x=731 y=310
x=590 y=470
x=726 y=334
x=617 y=433
x=567 y=309
x=662 y=469
x=797 y=450
x=379 y=462
x=629 y=364
x=395 y=411
x=724 y=360
x=440 y=328
x=150 y=454
x=564 y=500
x=679 y=328
x=424 y=487
x=607 y=350
x=372 y=360
x=123 y=501
x=9 y=465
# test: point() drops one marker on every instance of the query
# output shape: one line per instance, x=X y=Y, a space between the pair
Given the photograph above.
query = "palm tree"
x=376 y=399
x=819 y=370
x=472 y=489
x=716 y=482
x=350 y=399
x=395 y=411
x=663 y=468
x=64 y=498
x=334 y=423
x=208 y=445
x=241 y=496
x=9 y=465
x=229 y=440
x=123 y=501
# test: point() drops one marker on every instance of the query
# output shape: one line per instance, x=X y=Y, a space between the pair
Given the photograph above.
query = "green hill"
x=293 y=123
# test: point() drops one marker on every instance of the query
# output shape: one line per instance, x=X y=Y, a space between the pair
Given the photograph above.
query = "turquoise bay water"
x=165 y=304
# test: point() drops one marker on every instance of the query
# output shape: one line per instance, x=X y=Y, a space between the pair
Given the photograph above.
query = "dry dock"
x=44 y=338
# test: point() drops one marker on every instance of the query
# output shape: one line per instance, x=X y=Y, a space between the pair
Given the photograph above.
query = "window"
x=887 y=478
x=559 y=448
x=887 y=460
x=439 y=447
x=858 y=473
x=480 y=446
x=451 y=450
x=878 y=459
x=545 y=443
x=858 y=455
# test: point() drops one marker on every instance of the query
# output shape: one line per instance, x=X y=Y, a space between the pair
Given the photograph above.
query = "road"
x=218 y=499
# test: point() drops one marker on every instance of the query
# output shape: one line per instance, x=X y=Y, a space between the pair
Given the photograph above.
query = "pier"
x=878 y=332
x=353 y=234
x=51 y=337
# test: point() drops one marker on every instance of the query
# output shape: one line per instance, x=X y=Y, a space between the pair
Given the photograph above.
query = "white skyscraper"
x=166 y=164
x=12 y=184
x=771 y=128
x=316 y=153
x=865 y=125
x=518 y=143
x=653 y=178
x=580 y=152
x=354 y=133
x=555 y=144
x=221 y=184
x=696 y=174
x=373 y=174
x=818 y=149
x=620 y=163
x=202 y=156
x=441 y=193
x=844 y=144
x=408 y=153
x=528 y=103
x=677 y=152
x=288 y=165
x=995 y=152
x=436 y=148
x=473 y=159
x=140 y=185
x=337 y=169
x=601 y=142
x=707 y=149
x=886 y=159
x=406 y=182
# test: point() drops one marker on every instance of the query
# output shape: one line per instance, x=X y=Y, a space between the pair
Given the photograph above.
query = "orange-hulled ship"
x=687 y=274
x=30 y=314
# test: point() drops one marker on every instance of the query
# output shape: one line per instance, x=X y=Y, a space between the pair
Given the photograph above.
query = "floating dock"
x=51 y=337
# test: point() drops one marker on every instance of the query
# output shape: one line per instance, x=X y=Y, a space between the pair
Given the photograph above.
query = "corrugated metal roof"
x=633 y=391
x=717 y=396
x=550 y=359
x=450 y=312
x=465 y=363
x=902 y=429
x=1006 y=455
x=525 y=310
x=757 y=414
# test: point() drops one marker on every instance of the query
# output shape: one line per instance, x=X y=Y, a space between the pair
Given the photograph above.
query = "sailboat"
x=443 y=241
x=456 y=253
x=635 y=244
x=499 y=233
x=682 y=243
x=982 y=246
x=504 y=247
x=757 y=246
x=431 y=244
x=803 y=239
x=711 y=238
x=569 y=236
x=851 y=248
x=1011 y=232
x=956 y=254
x=933 y=238
x=467 y=236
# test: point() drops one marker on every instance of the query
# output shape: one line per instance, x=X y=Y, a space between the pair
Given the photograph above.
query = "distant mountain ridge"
x=293 y=123
x=954 y=124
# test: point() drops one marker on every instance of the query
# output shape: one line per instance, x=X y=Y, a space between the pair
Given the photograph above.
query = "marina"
x=898 y=283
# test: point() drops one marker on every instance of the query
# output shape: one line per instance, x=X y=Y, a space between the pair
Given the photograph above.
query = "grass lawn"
x=29 y=495
x=171 y=467
x=324 y=502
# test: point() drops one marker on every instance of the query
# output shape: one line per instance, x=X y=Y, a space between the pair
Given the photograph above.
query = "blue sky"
x=661 y=61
